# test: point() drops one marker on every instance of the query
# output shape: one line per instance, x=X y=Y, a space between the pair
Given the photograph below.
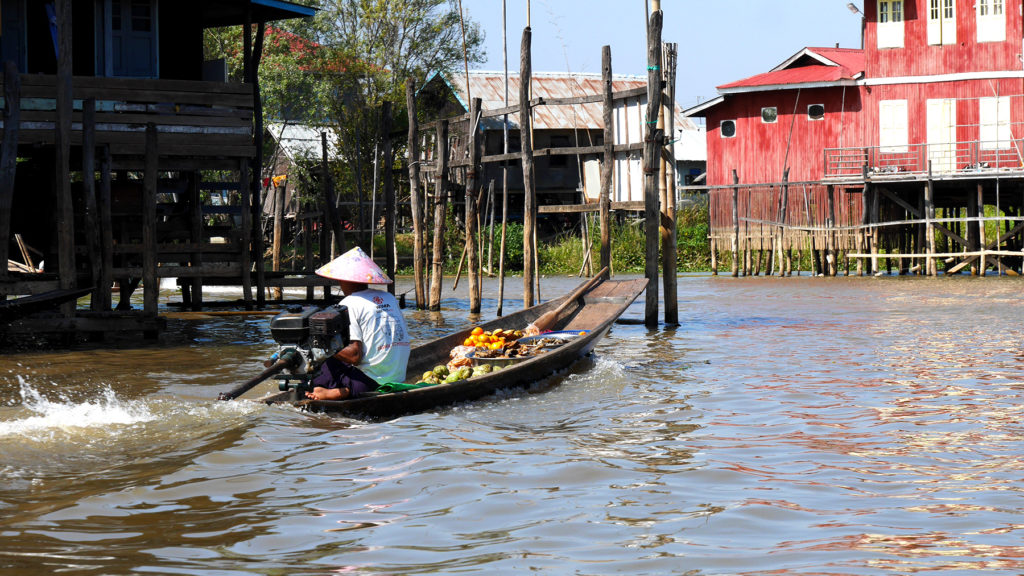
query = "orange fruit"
x=468 y=342
x=477 y=331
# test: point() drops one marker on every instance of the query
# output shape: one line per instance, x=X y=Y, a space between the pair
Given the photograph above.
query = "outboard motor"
x=315 y=333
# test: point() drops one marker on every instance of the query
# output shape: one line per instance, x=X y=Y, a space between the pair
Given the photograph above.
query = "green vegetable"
x=441 y=371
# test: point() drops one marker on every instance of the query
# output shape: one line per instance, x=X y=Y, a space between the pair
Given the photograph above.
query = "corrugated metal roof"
x=490 y=88
x=302 y=141
x=809 y=66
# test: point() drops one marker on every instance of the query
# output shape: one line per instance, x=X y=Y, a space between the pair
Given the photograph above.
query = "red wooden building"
x=898 y=148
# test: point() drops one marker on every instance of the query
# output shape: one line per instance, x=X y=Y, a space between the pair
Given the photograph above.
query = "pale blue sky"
x=719 y=40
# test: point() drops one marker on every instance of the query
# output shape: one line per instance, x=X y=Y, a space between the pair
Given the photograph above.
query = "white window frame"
x=893 y=127
x=994 y=123
x=775 y=108
x=721 y=130
x=941 y=22
x=991 y=20
x=889 y=31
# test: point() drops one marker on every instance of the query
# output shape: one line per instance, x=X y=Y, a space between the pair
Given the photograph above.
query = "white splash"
x=47 y=417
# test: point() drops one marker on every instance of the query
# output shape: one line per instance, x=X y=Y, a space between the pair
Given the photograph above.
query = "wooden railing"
x=971 y=157
x=197 y=119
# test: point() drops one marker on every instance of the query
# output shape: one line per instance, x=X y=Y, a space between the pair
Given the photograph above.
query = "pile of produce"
x=442 y=375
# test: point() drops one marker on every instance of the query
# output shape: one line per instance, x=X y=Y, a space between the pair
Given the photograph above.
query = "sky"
x=719 y=40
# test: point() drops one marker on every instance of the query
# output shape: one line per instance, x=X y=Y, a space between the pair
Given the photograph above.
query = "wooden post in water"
x=982 y=264
x=9 y=155
x=529 y=178
x=783 y=212
x=256 y=197
x=608 y=161
x=931 y=266
x=150 y=281
x=440 y=207
x=669 y=249
x=91 y=219
x=473 y=149
x=735 y=224
x=414 y=190
x=831 y=238
x=62 y=148
x=388 y=175
x=245 y=193
x=106 y=279
x=653 y=141
x=195 y=205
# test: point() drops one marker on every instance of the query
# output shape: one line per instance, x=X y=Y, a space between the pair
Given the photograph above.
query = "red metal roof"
x=809 y=66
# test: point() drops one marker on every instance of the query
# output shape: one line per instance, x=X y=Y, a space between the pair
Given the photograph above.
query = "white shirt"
x=376 y=320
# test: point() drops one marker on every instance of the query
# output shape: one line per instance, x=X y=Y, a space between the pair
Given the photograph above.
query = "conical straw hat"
x=354 y=266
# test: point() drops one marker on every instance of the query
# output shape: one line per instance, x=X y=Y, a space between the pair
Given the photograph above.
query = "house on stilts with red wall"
x=906 y=155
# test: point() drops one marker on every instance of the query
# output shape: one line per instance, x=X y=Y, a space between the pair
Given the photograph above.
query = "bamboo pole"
x=654 y=140
x=414 y=190
x=504 y=167
x=529 y=183
x=982 y=264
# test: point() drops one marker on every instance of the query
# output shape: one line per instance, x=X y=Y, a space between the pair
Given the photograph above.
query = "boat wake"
x=40 y=418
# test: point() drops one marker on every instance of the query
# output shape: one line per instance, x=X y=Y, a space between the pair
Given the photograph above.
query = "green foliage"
x=629 y=248
x=513 y=245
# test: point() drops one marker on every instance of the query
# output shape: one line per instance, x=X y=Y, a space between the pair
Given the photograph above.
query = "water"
x=796 y=426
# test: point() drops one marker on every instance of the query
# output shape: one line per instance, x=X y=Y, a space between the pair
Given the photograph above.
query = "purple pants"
x=337 y=374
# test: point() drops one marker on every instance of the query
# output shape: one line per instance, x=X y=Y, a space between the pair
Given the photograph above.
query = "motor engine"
x=315 y=333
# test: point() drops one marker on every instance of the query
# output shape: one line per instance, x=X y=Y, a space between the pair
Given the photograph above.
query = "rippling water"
x=796 y=426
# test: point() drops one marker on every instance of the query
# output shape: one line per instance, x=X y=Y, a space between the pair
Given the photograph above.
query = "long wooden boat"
x=592 y=313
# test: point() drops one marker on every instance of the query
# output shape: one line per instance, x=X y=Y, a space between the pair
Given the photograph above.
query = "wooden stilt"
x=9 y=156
x=246 y=213
x=150 y=281
x=735 y=225
x=608 y=161
x=982 y=264
x=106 y=279
x=473 y=149
x=653 y=142
x=196 y=222
x=415 y=200
x=62 y=147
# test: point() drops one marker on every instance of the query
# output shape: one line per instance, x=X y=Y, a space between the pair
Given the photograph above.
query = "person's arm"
x=352 y=354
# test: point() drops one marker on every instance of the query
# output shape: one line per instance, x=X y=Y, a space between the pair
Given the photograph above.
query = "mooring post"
x=669 y=250
x=608 y=163
x=982 y=264
x=735 y=224
x=106 y=279
x=529 y=178
x=440 y=207
x=414 y=192
x=653 y=141
x=473 y=150
x=150 y=281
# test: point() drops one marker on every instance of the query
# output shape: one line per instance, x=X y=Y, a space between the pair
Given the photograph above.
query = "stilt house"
x=116 y=134
x=900 y=148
